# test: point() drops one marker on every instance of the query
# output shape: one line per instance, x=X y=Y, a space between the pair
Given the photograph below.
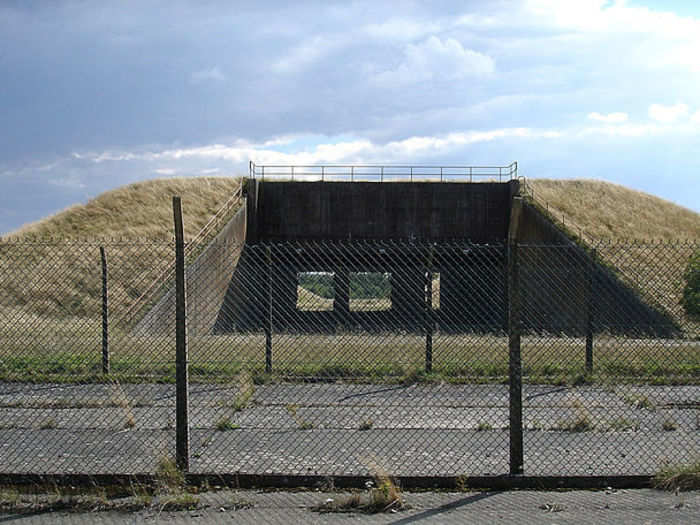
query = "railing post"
x=268 y=311
x=514 y=362
x=105 y=313
x=182 y=428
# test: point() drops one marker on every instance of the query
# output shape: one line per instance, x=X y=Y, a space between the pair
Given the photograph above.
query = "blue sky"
x=95 y=95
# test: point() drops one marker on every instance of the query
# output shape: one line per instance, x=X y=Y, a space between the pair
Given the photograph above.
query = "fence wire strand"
x=330 y=358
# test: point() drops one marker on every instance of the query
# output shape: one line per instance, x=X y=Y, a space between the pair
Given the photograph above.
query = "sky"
x=95 y=95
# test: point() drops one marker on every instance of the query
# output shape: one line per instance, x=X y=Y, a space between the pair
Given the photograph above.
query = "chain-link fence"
x=330 y=358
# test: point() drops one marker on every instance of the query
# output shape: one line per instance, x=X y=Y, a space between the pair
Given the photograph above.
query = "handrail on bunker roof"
x=382 y=173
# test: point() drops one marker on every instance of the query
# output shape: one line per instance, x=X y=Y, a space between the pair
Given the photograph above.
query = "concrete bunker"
x=410 y=231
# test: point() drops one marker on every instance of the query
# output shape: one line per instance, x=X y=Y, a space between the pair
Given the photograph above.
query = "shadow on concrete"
x=431 y=513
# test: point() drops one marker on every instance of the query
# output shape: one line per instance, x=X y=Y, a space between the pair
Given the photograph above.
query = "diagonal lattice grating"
x=332 y=358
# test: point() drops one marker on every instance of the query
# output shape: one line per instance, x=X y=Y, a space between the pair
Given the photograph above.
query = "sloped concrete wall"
x=208 y=279
x=562 y=284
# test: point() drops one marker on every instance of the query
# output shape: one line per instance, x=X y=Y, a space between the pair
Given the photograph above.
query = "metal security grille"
x=341 y=358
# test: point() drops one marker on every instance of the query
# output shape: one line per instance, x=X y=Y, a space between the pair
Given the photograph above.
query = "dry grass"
x=140 y=210
x=48 y=279
x=64 y=280
x=679 y=477
x=608 y=211
x=383 y=495
x=604 y=211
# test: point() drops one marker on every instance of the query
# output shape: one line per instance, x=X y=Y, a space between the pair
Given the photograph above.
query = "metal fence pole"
x=590 y=274
x=182 y=428
x=105 y=313
x=514 y=362
x=268 y=312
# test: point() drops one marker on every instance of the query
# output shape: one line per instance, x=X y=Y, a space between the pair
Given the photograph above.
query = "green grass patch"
x=73 y=357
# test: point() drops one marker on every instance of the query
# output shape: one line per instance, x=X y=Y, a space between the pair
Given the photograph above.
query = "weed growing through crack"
x=366 y=424
x=246 y=389
x=382 y=495
x=47 y=498
x=181 y=501
x=225 y=424
x=169 y=492
x=121 y=400
x=168 y=476
x=48 y=424
x=669 y=425
x=535 y=424
x=622 y=423
x=301 y=422
x=484 y=425
x=581 y=422
x=679 y=477
x=639 y=401
x=172 y=488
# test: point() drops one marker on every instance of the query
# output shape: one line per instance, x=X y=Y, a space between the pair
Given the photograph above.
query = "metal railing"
x=210 y=229
x=558 y=217
x=383 y=173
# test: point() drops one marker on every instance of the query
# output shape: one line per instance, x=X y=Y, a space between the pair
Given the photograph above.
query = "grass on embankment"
x=609 y=211
x=64 y=281
x=50 y=270
x=604 y=211
x=50 y=298
x=137 y=211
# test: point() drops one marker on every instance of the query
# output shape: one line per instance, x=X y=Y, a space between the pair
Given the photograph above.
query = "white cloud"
x=611 y=118
x=668 y=114
x=648 y=38
x=207 y=75
x=306 y=54
x=348 y=151
x=435 y=58
x=614 y=16
x=401 y=29
x=69 y=181
x=629 y=130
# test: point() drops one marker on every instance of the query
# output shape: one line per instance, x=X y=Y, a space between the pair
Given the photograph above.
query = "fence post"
x=428 y=313
x=268 y=312
x=182 y=428
x=590 y=274
x=514 y=362
x=105 y=312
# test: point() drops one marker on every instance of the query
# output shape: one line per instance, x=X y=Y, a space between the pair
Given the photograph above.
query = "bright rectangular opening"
x=436 y=290
x=370 y=291
x=315 y=291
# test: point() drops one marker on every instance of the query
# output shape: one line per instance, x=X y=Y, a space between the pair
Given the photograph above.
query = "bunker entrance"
x=370 y=291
